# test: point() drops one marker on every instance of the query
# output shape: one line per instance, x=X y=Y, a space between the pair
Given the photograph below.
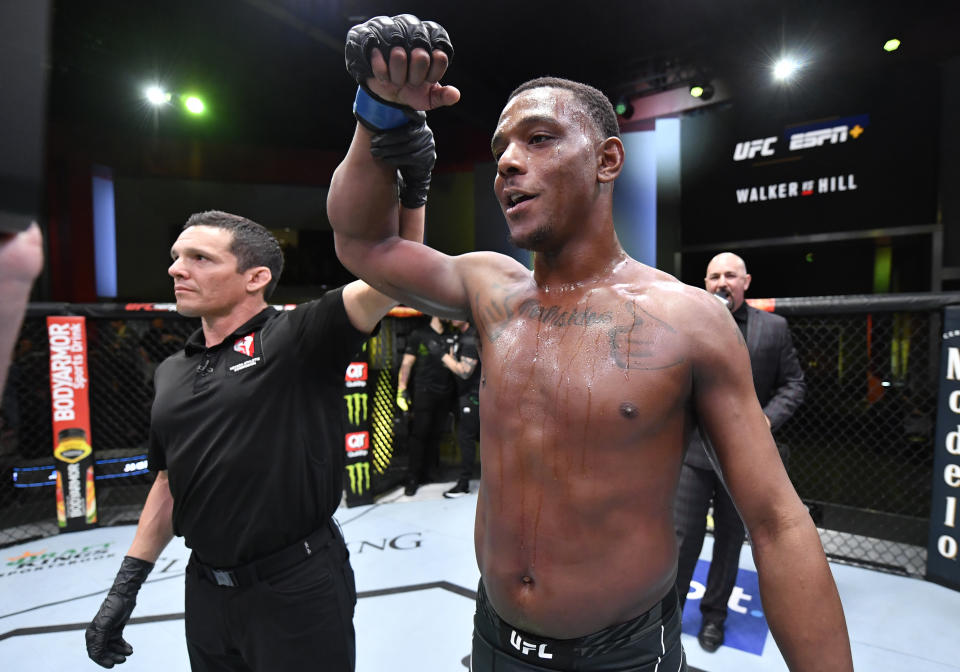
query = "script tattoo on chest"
x=641 y=343
x=555 y=316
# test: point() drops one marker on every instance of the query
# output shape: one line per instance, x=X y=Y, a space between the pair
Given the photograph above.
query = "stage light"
x=702 y=91
x=624 y=108
x=891 y=44
x=194 y=105
x=156 y=96
x=785 y=68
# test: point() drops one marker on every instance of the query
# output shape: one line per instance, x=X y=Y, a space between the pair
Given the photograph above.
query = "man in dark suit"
x=778 y=381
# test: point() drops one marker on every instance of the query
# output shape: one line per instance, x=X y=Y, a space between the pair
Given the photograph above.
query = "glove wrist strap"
x=376 y=114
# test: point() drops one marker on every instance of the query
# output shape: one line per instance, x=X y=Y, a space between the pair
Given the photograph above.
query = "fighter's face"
x=206 y=282
x=545 y=146
x=726 y=275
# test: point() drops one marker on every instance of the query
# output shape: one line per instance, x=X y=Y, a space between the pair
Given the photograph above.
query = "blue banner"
x=943 y=543
x=746 y=627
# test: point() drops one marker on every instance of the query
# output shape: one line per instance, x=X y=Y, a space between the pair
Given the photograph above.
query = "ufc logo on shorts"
x=526 y=648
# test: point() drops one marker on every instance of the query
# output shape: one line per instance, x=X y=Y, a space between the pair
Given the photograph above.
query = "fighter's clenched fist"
x=400 y=60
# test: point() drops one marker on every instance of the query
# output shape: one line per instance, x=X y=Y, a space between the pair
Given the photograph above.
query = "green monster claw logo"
x=359 y=477
x=356 y=407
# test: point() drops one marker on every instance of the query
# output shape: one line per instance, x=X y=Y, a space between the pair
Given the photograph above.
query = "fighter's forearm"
x=362 y=202
x=800 y=598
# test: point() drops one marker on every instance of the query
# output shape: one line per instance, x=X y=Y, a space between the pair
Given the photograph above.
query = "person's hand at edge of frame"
x=21 y=254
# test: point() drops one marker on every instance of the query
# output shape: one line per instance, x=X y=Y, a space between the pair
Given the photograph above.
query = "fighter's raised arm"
x=398 y=63
x=799 y=595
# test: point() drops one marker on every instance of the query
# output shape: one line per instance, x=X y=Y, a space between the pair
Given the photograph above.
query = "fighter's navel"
x=628 y=410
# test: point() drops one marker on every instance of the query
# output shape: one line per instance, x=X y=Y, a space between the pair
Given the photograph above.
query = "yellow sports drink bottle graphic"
x=91 y=497
x=75 y=490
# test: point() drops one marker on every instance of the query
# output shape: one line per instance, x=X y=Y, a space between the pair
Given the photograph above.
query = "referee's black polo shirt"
x=251 y=432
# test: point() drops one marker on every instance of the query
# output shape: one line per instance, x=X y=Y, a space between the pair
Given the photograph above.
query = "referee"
x=246 y=440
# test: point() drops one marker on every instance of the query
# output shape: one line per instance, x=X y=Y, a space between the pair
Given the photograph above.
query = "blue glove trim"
x=377 y=114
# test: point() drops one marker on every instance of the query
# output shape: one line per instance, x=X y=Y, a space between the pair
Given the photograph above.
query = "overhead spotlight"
x=891 y=44
x=156 y=96
x=624 y=108
x=785 y=68
x=701 y=91
x=194 y=105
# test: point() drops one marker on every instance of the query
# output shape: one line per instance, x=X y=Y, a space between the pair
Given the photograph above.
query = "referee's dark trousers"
x=278 y=616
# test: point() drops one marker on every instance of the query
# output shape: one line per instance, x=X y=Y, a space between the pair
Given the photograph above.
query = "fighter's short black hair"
x=597 y=105
x=252 y=245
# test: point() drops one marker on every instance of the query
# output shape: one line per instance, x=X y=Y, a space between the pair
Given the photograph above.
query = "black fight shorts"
x=648 y=643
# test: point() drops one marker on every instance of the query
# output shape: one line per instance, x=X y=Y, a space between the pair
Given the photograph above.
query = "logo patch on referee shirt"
x=244 y=345
x=247 y=352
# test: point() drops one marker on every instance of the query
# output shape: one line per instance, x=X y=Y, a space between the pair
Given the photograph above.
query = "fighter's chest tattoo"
x=637 y=340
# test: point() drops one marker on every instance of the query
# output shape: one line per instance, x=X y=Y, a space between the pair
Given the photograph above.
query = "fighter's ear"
x=609 y=160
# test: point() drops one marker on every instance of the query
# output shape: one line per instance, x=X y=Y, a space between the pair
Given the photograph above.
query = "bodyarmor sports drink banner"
x=943 y=546
x=356 y=401
x=70 y=410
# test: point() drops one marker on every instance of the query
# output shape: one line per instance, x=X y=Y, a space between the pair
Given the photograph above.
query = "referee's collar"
x=196 y=343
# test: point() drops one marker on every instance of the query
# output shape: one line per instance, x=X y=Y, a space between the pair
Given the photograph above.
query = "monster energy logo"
x=356 y=407
x=359 y=477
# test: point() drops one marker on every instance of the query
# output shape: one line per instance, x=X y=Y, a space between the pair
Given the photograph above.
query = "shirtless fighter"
x=594 y=369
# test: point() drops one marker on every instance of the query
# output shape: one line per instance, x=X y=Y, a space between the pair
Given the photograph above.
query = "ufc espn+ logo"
x=526 y=648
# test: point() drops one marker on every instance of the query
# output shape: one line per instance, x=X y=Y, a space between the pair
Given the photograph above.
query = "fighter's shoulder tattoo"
x=494 y=311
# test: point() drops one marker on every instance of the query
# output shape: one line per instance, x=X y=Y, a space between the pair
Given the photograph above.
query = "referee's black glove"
x=105 y=643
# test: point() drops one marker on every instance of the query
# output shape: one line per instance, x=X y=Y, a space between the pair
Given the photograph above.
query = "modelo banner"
x=943 y=546
x=356 y=441
x=70 y=410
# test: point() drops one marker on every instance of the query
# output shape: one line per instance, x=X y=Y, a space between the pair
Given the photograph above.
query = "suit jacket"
x=777 y=376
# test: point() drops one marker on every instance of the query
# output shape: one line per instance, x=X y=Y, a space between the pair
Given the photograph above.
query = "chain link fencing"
x=861 y=445
x=860 y=448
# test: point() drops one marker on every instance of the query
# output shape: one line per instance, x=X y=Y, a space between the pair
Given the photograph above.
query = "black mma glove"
x=401 y=135
x=105 y=644
x=385 y=33
x=411 y=150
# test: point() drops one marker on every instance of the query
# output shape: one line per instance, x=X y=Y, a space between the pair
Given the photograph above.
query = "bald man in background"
x=778 y=381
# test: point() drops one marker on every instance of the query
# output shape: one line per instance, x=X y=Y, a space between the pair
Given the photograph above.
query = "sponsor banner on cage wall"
x=943 y=545
x=356 y=441
x=76 y=500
